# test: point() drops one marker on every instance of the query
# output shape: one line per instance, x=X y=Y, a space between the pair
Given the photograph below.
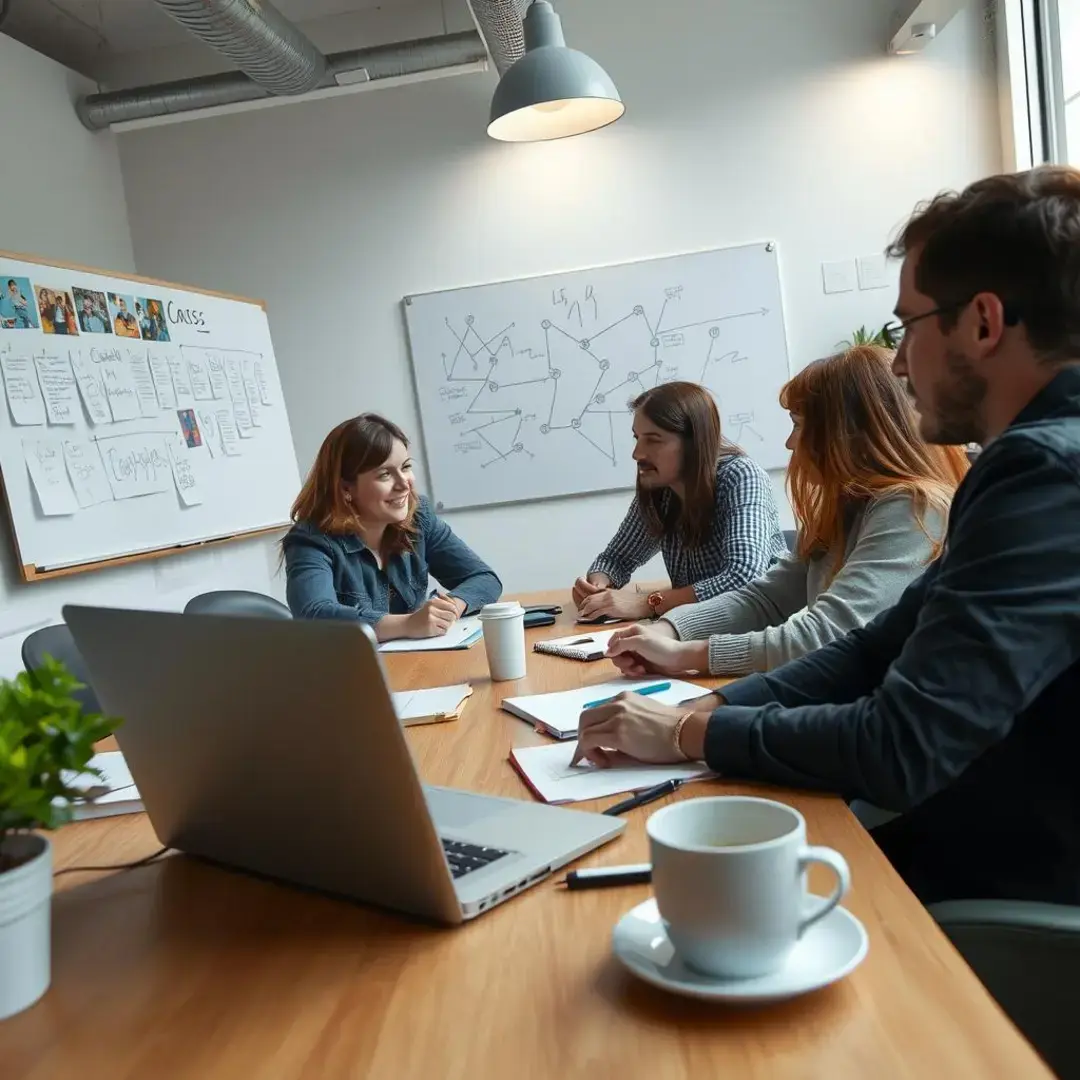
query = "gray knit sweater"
x=793 y=609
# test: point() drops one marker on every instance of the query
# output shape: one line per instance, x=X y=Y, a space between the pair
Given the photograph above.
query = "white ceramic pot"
x=25 y=914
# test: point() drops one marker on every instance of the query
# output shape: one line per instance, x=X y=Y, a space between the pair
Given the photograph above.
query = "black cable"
x=116 y=866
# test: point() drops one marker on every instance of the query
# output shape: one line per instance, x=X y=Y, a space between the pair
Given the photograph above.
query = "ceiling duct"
x=257 y=38
x=499 y=23
x=405 y=58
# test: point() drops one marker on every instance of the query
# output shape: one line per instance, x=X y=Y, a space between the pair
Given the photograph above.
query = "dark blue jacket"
x=960 y=706
x=338 y=577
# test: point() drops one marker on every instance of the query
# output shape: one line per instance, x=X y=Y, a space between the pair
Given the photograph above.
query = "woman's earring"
x=348 y=497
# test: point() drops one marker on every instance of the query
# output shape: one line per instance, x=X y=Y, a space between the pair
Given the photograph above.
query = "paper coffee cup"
x=504 y=639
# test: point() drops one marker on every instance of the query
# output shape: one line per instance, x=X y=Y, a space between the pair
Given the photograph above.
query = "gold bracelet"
x=676 y=735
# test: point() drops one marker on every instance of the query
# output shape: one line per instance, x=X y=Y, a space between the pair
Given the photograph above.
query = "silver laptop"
x=272 y=746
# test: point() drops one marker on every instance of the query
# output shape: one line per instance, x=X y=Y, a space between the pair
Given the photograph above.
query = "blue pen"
x=657 y=688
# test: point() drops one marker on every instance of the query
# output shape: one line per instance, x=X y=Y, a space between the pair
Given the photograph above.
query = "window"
x=1051 y=37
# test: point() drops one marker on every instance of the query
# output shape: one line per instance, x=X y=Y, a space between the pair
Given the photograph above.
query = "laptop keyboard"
x=464 y=858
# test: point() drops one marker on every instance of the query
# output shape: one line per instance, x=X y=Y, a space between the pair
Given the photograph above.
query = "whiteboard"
x=137 y=417
x=523 y=386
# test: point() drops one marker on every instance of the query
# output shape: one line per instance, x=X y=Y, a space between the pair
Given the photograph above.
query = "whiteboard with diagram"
x=140 y=418
x=524 y=386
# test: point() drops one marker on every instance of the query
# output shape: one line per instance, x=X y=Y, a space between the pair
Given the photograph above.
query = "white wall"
x=63 y=198
x=773 y=119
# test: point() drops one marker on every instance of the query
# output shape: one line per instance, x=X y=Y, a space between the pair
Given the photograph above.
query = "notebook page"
x=435 y=701
x=548 y=772
x=463 y=633
x=558 y=712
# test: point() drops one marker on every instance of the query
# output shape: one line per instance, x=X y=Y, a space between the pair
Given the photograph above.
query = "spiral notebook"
x=578 y=646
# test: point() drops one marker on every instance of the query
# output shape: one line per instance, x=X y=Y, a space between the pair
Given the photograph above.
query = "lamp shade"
x=552 y=91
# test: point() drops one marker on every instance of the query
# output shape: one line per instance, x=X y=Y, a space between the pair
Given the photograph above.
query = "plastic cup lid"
x=507 y=609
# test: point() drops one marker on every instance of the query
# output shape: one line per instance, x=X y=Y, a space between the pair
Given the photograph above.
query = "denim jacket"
x=338 y=577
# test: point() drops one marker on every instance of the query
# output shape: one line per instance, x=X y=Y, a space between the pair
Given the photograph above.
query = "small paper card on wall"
x=21 y=387
x=58 y=386
x=162 y=376
x=45 y=463
x=87 y=473
x=91 y=388
x=184 y=474
x=136 y=464
x=115 y=374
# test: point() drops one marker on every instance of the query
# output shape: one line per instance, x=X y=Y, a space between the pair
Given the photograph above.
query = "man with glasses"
x=960 y=706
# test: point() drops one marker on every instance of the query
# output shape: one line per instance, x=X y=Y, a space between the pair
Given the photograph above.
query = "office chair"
x=237 y=602
x=1027 y=955
x=57 y=642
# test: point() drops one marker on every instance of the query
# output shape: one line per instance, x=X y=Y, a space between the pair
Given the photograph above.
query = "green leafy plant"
x=862 y=336
x=46 y=741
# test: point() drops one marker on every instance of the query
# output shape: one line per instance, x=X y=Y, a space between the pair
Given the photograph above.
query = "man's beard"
x=958 y=399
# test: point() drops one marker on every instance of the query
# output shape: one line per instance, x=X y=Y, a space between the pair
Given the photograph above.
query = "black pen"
x=643 y=798
x=602 y=877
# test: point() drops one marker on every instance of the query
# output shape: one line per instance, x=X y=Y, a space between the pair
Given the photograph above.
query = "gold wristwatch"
x=655 y=600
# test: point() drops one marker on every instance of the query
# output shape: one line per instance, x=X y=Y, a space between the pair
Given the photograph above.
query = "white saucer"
x=829 y=950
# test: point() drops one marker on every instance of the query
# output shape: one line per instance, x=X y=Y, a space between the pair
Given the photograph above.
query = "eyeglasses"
x=892 y=333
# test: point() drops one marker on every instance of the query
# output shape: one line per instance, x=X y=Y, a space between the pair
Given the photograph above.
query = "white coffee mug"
x=729 y=874
x=504 y=639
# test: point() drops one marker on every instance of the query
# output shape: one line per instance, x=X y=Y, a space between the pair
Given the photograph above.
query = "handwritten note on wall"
x=91 y=387
x=136 y=465
x=143 y=380
x=21 y=387
x=87 y=472
x=184 y=474
x=48 y=473
x=58 y=386
x=162 y=376
x=115 y=374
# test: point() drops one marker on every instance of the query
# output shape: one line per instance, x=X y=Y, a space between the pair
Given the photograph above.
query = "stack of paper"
x=550 y=776
x=557 y=714
x=462 y=635
x=114 y=792
x=431 y=706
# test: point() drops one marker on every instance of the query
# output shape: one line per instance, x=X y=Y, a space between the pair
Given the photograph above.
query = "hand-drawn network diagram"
x=512 y=386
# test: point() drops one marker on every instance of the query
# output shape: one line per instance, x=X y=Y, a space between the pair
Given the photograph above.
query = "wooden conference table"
x=181 y=969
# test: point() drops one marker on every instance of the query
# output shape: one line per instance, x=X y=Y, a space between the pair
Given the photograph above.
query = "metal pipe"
x=499 y=23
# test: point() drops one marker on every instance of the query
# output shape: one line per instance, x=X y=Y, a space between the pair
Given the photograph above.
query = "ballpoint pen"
x=643 y=798
x=656 y=688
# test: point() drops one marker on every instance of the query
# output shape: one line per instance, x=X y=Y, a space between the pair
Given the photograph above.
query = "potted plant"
x=46 y=743
x=862 y=336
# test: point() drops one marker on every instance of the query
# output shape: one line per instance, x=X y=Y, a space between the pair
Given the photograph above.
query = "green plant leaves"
x=44 y=738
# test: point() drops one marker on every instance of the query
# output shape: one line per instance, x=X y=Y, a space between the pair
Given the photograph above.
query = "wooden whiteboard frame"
x=29 y=571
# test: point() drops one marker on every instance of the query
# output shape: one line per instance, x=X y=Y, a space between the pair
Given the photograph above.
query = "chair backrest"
x=789 y=539
x=237 y=602
x=57 y=642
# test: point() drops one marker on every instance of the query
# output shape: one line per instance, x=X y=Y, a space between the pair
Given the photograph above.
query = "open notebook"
x=464 y=634
x=430 y=706
x=548 y=774
x=114 y=792
x=557 y=714
x=583 y=646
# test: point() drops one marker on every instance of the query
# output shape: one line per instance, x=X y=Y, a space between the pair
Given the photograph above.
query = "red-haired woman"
x=701 y=502
x=364 y=543
x=871 y=500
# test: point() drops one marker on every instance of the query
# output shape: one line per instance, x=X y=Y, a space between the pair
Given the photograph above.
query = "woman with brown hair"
x=364 y=543
x=871 y=500
x=700 y=501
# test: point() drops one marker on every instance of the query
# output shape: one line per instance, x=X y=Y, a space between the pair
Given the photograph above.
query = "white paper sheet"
x=58 y=386
x=208 y=427
x=179 y=372
x=145 y=387
x=121 y=796
x=435 y=701
x=91 y=387
x=462 y=635
x=198 y=374
x=21 y=386
x=241 y=411
x=45 y=463
x=251 y=389
x=136 y=465
x=87 y=473
x=184 y=473
x=558 y=713
x=548 y=772
x=261 y=382
x=162 y=376
x=227 y=433
x=219 y=385
x=114 y=371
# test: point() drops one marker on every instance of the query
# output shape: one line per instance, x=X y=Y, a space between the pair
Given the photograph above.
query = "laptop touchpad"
x=459 y=809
